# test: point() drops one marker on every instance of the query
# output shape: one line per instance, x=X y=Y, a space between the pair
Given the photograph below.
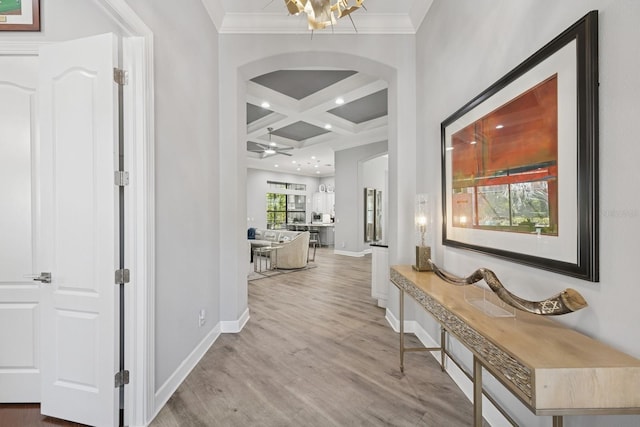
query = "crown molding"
x=270 y=23
x=282 y=23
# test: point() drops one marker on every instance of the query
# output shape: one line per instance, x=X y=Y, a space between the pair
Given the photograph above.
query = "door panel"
x=19 y=296
x=79 y=204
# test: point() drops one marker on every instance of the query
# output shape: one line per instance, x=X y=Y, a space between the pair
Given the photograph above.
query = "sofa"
x=292 y=249
x=262 y=237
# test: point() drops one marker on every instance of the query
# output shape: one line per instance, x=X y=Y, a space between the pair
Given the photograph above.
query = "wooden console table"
x=552 y=369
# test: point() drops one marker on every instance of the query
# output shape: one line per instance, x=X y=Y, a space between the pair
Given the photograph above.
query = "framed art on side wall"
x=20 y=15
x=519 y=161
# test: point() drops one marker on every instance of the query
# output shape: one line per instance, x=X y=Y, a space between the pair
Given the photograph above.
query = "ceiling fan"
x=267 y=150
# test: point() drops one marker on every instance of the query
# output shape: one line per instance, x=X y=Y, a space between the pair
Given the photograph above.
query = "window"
x=286 y=204
x=275 y=185
x=276 y=210
x=506 y=177
x=516 y=206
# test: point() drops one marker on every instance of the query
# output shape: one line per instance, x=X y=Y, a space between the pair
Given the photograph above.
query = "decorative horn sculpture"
x=565 y=302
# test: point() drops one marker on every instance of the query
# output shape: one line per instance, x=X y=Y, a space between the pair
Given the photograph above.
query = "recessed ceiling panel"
x=299 y=131
x=254 y=113
x=364 y=109
x=299 y=84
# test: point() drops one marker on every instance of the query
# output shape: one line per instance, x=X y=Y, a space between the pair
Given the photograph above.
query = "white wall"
x=257 y=189
x=349 y=218
x=187 y=185
x=456 y=60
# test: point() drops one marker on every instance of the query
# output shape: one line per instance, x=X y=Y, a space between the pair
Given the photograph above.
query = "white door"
x=78 y=115
x=19 y=296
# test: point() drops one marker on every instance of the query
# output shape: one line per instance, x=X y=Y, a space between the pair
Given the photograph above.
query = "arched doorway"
x=240 y=68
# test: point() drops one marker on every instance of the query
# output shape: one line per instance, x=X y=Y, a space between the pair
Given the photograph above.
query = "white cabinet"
x=330 y=202
x=318 y=203
x=323 y=202
x=380 y=274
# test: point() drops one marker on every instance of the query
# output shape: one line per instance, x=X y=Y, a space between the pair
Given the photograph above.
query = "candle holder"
x=423 y=251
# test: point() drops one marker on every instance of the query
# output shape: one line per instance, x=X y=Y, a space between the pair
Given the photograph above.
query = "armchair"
x=294 y=253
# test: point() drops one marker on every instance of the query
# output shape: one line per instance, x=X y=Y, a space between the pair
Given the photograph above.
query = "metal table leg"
x=477 y=392
x=401 y=330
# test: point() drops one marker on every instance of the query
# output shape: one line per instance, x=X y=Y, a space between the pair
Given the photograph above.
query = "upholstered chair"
x=294 y=253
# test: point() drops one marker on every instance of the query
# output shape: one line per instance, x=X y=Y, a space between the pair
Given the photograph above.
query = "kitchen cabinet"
x=380 y=273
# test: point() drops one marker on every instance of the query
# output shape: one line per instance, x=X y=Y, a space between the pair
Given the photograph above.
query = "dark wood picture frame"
x=17 y=22
x=582 y=223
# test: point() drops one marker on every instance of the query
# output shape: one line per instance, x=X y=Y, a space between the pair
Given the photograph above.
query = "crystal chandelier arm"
x=322 y=13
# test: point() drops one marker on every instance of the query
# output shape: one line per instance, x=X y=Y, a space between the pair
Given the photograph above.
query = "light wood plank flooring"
x=317 y=351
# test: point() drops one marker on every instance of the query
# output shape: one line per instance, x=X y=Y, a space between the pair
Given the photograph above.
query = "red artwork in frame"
x=505 y=165
x=520 y=164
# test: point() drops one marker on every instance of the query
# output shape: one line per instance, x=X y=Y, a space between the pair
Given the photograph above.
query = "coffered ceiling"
x=311 y=114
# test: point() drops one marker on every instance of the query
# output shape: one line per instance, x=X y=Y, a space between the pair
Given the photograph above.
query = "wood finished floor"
x=28 y=415
x=317 y=351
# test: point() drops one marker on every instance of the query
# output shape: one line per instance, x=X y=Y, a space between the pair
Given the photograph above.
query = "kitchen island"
x=325 y=231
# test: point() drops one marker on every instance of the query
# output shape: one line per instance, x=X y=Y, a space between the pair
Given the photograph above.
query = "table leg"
x=274 y=259
x=401 y=330
x=255 y=260
x=557 y=421
x=443 y=347
x=477 y=392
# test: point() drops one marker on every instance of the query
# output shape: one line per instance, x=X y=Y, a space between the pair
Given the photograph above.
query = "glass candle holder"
x=423 y=226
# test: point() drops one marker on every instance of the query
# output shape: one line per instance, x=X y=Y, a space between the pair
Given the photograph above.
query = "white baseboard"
x=351 y=253
x=392 y=320
x=235 y=326
x=489 y=412
x=171 y=385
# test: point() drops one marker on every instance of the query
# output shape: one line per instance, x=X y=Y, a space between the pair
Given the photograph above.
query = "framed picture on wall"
x=20 y=15
x=519 y=161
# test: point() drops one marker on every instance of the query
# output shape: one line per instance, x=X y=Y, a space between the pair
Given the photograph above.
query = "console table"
x=552 y=369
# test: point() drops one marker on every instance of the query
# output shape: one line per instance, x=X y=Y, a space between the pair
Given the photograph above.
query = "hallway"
x=317 y=351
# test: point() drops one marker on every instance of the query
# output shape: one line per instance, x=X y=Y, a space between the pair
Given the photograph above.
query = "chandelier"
x=323 y=13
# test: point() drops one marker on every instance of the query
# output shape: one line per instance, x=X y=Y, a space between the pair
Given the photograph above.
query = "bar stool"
x=314 y=234
x=313 y=242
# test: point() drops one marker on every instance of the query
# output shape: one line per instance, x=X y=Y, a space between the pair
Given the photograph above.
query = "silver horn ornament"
x=565 y=302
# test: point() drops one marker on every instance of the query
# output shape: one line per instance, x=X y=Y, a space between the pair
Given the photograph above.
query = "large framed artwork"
x=20 y=15
x=519 y=161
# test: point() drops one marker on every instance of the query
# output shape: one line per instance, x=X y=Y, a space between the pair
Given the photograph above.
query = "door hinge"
x=121 y=178
x=120 y=76
x=121 y=378
x=122 y=276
